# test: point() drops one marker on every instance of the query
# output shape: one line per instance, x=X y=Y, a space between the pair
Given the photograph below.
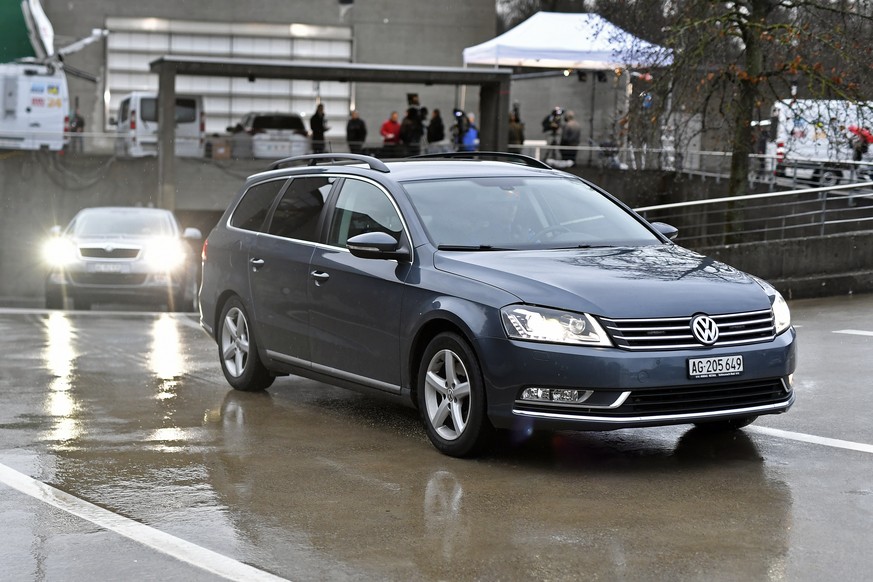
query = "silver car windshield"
x=522 y=213
x=122 y=223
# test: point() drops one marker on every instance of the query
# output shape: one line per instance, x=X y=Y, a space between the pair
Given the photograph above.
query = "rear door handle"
x=256 y=264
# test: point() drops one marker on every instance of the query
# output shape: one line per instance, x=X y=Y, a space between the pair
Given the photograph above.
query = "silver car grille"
x=674 y=333
x=109 y=252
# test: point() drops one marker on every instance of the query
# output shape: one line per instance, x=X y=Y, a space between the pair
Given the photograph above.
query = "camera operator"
x=552 y=125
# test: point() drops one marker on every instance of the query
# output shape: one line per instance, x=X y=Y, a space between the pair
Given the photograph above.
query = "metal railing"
x=768 y=216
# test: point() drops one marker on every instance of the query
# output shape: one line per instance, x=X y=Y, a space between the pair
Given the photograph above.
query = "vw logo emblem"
x=705 y=329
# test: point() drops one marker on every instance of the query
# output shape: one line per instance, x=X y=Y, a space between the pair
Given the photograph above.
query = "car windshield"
x=522 y=213
x=111 y=223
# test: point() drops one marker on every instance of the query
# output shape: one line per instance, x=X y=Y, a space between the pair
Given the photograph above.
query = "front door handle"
x=320 y=277
x=256 y=264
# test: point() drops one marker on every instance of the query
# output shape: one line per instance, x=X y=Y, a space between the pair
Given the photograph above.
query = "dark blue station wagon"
x=491 y=294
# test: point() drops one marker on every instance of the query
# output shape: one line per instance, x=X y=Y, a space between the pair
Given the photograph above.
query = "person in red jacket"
x=390 y=135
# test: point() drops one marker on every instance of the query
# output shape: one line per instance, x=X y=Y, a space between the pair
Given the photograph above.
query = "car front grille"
x=108 y=252
x=675 y=332
x=113 y=279
x=693 y=399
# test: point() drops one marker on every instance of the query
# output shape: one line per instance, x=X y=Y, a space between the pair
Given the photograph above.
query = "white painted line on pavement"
x=178 y=548
x=808 y=438
x=855 y=332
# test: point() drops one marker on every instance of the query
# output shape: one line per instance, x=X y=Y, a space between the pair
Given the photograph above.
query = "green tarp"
x=14 y=43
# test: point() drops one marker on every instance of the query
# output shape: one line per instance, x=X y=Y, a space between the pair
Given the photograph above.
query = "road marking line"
x=855 y=332
x=816 y=440
x=178 y=548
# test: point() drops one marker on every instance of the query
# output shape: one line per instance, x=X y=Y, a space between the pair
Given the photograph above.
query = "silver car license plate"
x=108 y=268
x=715 y=367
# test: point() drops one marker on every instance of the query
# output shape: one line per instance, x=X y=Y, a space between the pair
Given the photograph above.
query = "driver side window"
x=362 y=207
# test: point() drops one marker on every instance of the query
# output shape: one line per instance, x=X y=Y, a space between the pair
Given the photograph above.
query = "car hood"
x=624 y=282
x=126 y=239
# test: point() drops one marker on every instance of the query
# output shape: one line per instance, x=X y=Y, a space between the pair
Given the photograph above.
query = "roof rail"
x=313 y=160
x=497 y=156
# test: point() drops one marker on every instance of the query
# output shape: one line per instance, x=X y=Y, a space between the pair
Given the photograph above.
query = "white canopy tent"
x=567 y=41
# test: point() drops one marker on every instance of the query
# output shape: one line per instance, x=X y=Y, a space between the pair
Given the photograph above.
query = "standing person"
x=516 y=131
x=77 y=127
x=318 y=125
x=470 y=139
x=436 y=133
x=411 y=132
x=390 y=135
x=356 y=133
x=571 y=135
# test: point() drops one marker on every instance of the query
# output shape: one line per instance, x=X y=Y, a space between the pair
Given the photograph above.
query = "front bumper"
x=632 y=389
x=144 y=287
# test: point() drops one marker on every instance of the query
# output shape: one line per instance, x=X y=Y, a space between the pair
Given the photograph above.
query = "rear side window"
x=252 y=210
x=298 y=211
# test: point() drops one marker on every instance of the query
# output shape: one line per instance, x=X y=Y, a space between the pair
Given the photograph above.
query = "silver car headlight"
x=59 y=252
x=538 y=324
x=164 y=253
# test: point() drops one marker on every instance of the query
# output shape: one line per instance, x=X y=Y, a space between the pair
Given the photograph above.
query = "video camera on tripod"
x=552 y=123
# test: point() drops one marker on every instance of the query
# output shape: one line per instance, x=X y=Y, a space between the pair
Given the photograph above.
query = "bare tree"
x=737 y=58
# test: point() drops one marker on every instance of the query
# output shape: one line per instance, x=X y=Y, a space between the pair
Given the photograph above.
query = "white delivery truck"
x=34 y=107
x=137 y=125
x=824 y=141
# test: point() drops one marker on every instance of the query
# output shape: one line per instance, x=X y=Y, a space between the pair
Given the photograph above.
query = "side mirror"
x=192 y=233
x=377 y=245
x=671 y=232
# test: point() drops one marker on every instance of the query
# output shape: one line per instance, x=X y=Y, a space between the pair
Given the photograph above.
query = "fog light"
x=566 y=395
x=536 y=394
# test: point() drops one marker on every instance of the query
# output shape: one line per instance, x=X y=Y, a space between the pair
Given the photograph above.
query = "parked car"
x=122 y=255
x=269 y=135
x=489 y=294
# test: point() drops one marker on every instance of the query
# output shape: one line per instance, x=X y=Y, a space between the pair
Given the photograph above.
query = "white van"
x=137 y=125
x=34 y=106
x=812 y=139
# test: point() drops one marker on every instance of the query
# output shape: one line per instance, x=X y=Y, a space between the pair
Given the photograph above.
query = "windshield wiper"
x=471 y=248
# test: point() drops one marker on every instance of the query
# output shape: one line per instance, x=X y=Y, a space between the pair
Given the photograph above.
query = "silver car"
x=122 y=255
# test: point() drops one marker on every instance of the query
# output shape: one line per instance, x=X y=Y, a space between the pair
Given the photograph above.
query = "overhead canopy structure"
x=493 y=93
x=568 y=41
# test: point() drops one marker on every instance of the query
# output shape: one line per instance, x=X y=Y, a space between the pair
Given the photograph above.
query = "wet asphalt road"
x=125 y=456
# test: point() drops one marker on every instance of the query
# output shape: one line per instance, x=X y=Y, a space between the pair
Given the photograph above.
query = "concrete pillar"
x=167 y=136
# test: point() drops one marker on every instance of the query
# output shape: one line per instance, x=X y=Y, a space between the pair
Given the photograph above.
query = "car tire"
x=238 y=350
x=186 y=298
x=54 y=299
x=451 y=397
x=82 y=304
x=729 y=425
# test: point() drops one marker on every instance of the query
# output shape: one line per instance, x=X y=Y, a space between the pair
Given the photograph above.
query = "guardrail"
x=769 y=216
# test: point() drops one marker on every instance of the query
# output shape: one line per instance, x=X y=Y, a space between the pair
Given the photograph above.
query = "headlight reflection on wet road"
x=60 y=355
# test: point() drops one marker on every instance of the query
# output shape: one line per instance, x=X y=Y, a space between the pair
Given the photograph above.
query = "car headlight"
x=59 y=252
x=165 y=254
x=539 y=324
x=781 y=313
